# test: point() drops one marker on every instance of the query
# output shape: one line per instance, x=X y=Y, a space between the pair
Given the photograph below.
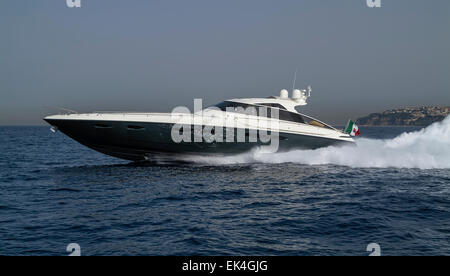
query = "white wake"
x=428 y=148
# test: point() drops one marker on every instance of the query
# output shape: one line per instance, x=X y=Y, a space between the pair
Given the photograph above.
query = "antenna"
x=295 y=79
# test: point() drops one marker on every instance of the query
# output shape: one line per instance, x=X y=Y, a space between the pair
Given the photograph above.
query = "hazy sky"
x=153 y=55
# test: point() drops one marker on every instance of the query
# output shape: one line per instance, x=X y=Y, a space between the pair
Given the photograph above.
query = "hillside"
x=422 y=116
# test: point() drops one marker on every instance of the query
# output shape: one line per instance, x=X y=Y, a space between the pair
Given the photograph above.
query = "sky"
x=154 y=55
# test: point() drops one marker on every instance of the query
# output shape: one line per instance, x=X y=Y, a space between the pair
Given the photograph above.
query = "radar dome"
x=284 y=94
x=297 y=94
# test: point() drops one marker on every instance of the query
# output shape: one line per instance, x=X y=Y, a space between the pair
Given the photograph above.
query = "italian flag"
x=352 y=129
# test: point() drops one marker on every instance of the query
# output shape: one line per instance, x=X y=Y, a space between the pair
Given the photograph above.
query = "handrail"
x=68 y=111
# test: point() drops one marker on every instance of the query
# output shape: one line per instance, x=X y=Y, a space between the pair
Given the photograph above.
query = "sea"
x=391 y=190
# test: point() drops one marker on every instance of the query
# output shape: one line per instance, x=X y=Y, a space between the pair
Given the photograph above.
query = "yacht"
x=230 y=127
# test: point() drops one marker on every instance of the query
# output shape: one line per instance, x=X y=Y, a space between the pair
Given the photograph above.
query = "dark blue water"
x=54 y=191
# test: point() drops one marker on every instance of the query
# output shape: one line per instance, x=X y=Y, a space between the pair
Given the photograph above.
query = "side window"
x=292 y=117
x=264 y=112
x=261 y=111
x=272 y=105
x=279 y=106
x=250 y=110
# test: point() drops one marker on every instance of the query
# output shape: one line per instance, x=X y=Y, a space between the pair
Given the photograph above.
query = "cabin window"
x=291 y=117
x=263 y=112
x=273 y=105
x=133 y=127
x=101 y=126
